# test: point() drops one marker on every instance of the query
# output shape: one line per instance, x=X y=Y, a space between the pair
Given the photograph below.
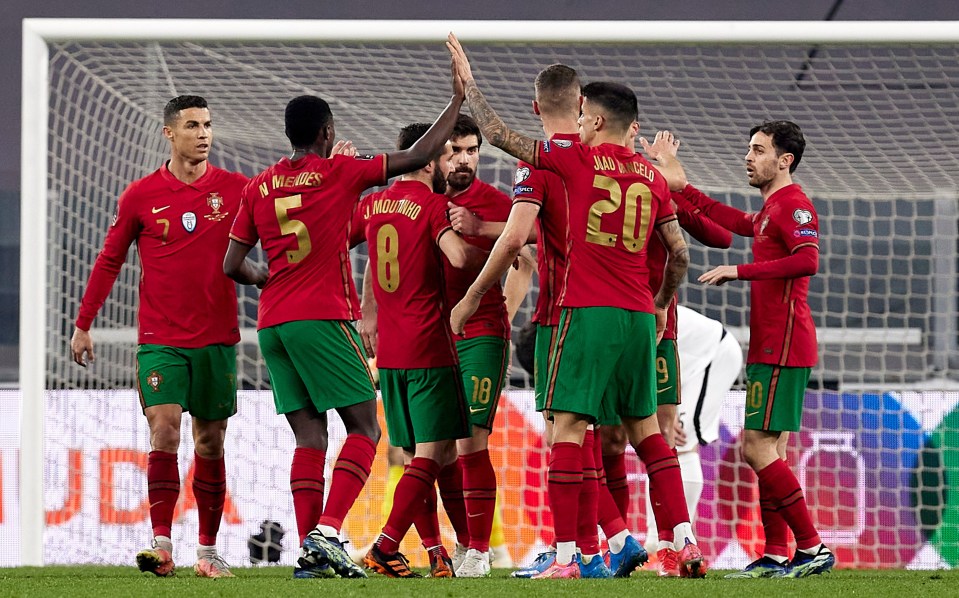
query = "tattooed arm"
x=492 y=126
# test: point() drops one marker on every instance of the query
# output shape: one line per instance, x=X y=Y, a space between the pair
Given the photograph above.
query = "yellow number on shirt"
x=166 y=229
x=387 y=252
x=290 y=226
x=638 y=199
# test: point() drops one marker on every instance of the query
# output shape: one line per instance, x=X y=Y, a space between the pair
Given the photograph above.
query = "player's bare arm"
x=460 y=253
x=720 y=275
x=432 y=142
x=521 y=219
x=367 y=325
x=240 y=269
x=663 y=151
x=518 y=280
x=491 y=125
x=82 y=344
x=677 y=261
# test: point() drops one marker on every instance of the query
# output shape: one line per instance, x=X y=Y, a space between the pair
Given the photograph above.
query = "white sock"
x=328 y=531
x=812 y=549
x=661 y=544
x=565 y=552
x=618 y=542
x=782 y=560
x=164 y=542
x=205 y=551
x=692 y=471
x=682 y=533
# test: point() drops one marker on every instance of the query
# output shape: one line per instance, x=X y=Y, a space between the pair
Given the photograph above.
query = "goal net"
x=879 y=432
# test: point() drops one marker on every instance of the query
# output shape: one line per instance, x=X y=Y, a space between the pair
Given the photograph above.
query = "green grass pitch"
x=105 y=582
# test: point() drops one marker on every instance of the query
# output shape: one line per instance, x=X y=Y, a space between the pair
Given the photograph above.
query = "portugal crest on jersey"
x=189 y=221
x=154 y=379
x=215 y=202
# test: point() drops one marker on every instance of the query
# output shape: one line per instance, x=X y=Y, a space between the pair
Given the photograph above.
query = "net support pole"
x=945 y=263
x=33 y=257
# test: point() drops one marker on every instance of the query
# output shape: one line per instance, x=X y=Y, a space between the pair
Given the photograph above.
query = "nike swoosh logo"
x=752 y=414
x=473 y=514
x=661 y=390
x=476 y=410
x=158 y=210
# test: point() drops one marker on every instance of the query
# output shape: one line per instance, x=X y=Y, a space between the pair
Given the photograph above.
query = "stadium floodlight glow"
x=876 y=100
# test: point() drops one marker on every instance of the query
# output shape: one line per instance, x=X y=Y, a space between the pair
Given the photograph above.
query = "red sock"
x=665 y=484
x=209 y=488
x=564 y=482
x=774 y=527
x=587 y=536
x=451 y=492
x=777 y=482
x=615 y=468
x=417 y=481
x=307 y=484
x=479 y=493
x=163 y=489
x=350 y=473
x=607 y=512
x=427 y=521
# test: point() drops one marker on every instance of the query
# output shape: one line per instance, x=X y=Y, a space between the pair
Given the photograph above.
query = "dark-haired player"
x=483 y=348
x=300 y=211
x=603 y=359
x=408 y=235
x=782 y=339
x=179 y=217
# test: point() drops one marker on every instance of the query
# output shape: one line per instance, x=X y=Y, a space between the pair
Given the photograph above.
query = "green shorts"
x=545 y=337
x=483 y=362
x=602 y=364
x=667 y=373
x=319 y=363
x=774 y=397
x=201 y=381
x=424 y=405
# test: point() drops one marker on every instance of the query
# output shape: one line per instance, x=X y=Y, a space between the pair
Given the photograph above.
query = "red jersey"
x=616 y=197
x=546 y=190
x=491 y=319
x=781 y=329
x=404 y=224
x=300 y=212
x=182 y=232
x=703 y=230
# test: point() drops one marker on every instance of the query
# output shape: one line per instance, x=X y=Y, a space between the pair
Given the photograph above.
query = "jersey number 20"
x=638 y=199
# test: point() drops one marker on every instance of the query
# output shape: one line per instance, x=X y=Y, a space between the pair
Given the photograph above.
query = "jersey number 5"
x=290 y=226
x=387 y=254
x=638 y=199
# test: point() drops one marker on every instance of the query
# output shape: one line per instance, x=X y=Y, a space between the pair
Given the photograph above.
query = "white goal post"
x=36 y=337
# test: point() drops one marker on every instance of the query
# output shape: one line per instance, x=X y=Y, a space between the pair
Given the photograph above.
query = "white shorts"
x=712 y=361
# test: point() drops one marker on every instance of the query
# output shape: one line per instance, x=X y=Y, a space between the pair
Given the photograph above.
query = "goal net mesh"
x=877 y=119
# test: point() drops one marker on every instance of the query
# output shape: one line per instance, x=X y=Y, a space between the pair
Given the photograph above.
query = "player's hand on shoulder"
x=82 y=344
x=720 y=275
x=344 y=147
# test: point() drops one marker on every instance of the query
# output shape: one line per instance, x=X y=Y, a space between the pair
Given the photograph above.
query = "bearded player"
x=782 y=339
x=300 y=211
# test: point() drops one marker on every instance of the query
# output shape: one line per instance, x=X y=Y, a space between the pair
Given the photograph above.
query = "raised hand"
x=663 y=143
x=461 y=64
x=344 y=147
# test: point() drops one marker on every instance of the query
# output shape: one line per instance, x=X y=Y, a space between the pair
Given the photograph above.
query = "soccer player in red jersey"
x=408 y=235
x=782 y=338
x=483 y=349
x=179 y=217
x=603 y=359
x=300 y=211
